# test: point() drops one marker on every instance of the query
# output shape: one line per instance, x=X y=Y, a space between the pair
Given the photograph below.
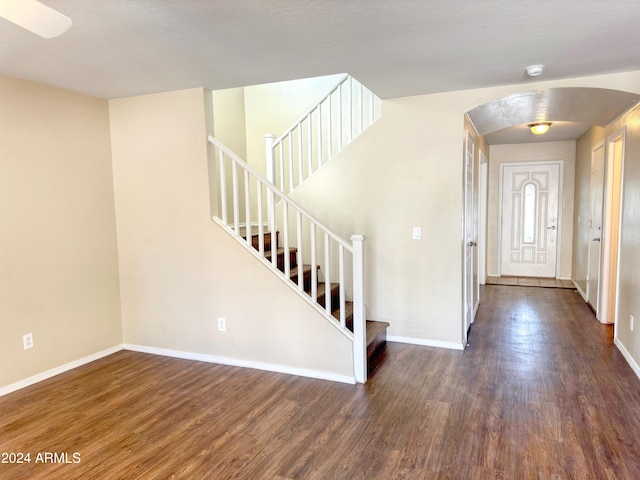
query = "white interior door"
x=529 y=229
x=595 y=226
x=469 y=241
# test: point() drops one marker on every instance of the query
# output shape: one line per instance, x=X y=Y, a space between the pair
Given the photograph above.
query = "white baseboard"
x=58 y=370
x=426 y=343
x=234 y=362
x=580 y=291
x=625 y=353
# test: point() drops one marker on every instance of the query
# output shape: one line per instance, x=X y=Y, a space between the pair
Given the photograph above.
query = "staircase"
x=376 y=335
x=326 y=270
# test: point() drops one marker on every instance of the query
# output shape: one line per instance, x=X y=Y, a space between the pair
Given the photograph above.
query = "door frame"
x=467 y=232
x=597 y=304
x=483 y=182
x=607 y=256
x=560 y=164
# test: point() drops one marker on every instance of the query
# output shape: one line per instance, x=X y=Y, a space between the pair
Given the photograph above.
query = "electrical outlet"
x=222 y=324
x=417 y=233
x=631 y=322
x=27 y=341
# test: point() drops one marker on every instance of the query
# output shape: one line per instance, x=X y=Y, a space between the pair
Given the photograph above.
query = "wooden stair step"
x=375 y=329
x=376 y=343
x=306 y=276
x=334 y=292
x=293 y=257
x=255 y=238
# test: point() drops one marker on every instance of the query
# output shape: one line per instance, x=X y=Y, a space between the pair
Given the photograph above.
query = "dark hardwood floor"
x=541 y=393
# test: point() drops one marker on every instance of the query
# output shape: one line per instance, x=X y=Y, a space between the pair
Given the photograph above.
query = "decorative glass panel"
x=529 y=214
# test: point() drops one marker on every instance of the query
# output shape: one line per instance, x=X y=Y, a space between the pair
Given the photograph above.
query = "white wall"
x=58 y=256
x=179 y=271
x=532 y=152
x=629 y=267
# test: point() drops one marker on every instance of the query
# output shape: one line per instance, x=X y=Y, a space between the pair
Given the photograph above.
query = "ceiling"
x=119 y=48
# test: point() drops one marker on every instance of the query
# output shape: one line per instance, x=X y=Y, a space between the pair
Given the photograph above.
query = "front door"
x=595 y=225
x=529 y=230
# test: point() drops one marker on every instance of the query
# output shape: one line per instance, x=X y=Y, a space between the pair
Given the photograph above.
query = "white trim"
x=582 y=294
x=596 y=304
x=604 y=307
x=483 y=185
x=58 y=370
x=627 y=356
x=425 y=343
x=234 y=362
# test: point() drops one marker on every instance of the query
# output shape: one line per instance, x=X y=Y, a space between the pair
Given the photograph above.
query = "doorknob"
x=552 y=227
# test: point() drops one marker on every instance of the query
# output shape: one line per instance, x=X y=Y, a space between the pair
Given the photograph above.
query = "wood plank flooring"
x=541 y=393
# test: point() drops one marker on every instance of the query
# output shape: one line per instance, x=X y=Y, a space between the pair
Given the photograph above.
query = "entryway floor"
x=530 y=282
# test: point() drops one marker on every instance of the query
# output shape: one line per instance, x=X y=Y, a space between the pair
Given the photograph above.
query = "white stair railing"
x=320 y=134
x=249 y=205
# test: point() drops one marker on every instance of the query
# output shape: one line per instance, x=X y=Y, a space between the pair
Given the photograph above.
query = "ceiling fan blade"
x=35 y=17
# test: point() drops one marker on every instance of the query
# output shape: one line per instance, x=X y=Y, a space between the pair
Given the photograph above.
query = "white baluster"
x=247 y=208
x=314 y=265
x=285 y=232
x=223 y=188
x=343 y=309
x=281 y=158
x=327 y=274
x=272 y=227
x=271 y=176
x=299 y=254
x=236 y=202
x=260 y=219
x=359 y=322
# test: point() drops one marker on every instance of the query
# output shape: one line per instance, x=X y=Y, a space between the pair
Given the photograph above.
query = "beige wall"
x=394 y=177
x=58 y=275
x=532 y=152
x=629 y=271
x=405 y=171
x=228 y=125
x=582 y=204
x=179 y=271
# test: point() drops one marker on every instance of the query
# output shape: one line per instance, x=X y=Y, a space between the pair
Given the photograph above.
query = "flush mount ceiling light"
x=35 y=17
x=534 y=70
x=539 y=128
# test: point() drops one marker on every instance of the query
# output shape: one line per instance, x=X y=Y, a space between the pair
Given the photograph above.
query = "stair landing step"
x=375 y=329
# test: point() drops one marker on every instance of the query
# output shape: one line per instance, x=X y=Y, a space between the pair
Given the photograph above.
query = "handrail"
x=249 y=186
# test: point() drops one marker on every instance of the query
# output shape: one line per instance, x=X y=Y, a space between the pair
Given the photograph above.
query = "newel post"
x=270 y=174
x=359 y=320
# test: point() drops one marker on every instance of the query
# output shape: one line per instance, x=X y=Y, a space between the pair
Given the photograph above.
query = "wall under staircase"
x=179 y=271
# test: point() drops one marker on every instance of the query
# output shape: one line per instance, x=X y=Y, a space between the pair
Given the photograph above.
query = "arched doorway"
x=572 y=111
